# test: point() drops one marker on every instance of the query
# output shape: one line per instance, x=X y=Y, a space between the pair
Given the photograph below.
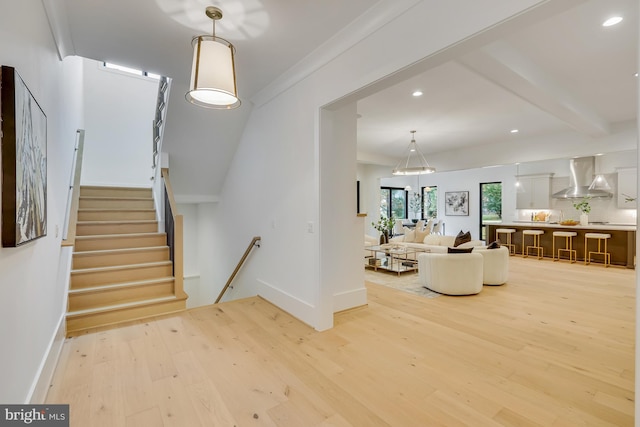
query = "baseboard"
x=299 y=309
x=40 y=386
x=349 y=299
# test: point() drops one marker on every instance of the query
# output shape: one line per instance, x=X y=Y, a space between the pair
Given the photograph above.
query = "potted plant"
x=385 y=227
x=584 y=208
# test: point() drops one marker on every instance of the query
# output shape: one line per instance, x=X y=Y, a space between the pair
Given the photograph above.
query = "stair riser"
x=104 y=298
x=81 y=280
x=120 y=242
x=115 y=203
x=126 y=228
x=115 y=192
x=78 y=323
x=113 y=215
x=126 y=258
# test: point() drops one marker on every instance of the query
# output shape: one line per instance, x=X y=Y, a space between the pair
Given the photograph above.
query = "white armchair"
x=451 y=274
x=495 y=267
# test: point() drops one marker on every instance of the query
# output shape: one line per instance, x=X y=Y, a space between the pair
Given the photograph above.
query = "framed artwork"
x=456 y=203
x=24 y=162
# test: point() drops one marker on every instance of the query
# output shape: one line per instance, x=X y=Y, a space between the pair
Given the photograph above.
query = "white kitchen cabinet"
x=627 y=188
x=536 y=192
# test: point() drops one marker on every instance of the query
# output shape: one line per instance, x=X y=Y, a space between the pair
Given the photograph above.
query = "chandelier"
x=415 y=163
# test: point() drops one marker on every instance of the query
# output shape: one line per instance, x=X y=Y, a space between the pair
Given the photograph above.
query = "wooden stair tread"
x=116 y=236
x=127 y=198
x=120 y=267
x=113 y=286
x=115 y=307
x=115 y=210
x=114 y=187
x=118 y=221
x=120 y=251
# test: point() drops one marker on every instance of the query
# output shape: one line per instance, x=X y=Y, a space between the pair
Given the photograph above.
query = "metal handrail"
x=254 y=242
x=71 y=215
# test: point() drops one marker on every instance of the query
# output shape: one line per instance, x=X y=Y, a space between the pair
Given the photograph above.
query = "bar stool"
x=536 y=243
x=568 y=245
x=508 y=232
x=600 y=237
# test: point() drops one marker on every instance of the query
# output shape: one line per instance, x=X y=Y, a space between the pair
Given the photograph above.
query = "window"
x=393 y=202
x=490 y=206
x=129 y=70
x=430 y=202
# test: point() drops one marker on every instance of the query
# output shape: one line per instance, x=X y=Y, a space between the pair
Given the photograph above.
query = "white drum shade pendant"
x=213 y=74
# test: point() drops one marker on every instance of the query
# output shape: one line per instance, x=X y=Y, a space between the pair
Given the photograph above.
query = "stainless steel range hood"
x=582 y=174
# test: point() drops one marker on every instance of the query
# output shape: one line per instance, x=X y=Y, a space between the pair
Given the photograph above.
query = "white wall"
x=274 y=187
x=470 y=179
x=119 y=112
x=32 y=298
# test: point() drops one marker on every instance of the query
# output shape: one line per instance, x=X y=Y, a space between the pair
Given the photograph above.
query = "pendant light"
x=213 y=74
x=415 y=164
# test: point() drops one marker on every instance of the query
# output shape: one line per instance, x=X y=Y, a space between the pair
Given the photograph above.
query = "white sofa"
x=435 y=243
x=451 y=274
x=495 y=266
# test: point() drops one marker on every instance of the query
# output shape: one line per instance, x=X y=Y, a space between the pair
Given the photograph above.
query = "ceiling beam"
x=509 y=69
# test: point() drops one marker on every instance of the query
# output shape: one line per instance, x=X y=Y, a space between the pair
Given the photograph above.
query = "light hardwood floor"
x=552 y=347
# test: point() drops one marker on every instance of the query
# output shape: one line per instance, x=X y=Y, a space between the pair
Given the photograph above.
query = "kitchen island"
x=621 y=245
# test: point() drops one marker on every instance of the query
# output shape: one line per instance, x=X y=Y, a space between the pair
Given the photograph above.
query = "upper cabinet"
x=627 y=188
x=535 y=193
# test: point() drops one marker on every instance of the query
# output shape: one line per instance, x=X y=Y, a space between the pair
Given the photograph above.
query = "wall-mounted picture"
x=456 y=203
x=24 y=162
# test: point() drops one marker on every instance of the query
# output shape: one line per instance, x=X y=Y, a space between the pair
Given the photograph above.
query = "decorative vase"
x=584 y=219
x=384 y=238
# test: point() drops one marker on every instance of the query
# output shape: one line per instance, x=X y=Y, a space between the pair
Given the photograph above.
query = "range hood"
x=582 y=174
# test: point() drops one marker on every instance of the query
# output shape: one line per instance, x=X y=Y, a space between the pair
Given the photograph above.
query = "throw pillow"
x=462 y=238
x=420 y=235
x=494 y=245
x=451 y=250
x=409 y=234
x=432 y=239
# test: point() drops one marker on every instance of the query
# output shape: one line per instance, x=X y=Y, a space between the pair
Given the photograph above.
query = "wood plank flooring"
x=552 y=347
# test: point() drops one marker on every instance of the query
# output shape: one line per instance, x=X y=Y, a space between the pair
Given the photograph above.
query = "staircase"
x=121 y=264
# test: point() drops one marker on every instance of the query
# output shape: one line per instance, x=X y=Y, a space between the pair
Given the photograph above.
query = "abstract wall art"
x=24 y=162
x=456 y=203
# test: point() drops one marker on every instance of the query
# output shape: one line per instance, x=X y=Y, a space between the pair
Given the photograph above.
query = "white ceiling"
x=565 y=73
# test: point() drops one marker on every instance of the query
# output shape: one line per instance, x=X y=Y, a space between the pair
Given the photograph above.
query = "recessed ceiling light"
x=612 y=21
x=417 y=93
x=514 y=131
x=635 y=75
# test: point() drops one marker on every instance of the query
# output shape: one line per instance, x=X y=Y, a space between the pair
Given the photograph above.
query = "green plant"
x=583 y=205
x=384 y=225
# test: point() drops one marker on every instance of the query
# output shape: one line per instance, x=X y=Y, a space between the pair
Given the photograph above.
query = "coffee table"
x=397 y=259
